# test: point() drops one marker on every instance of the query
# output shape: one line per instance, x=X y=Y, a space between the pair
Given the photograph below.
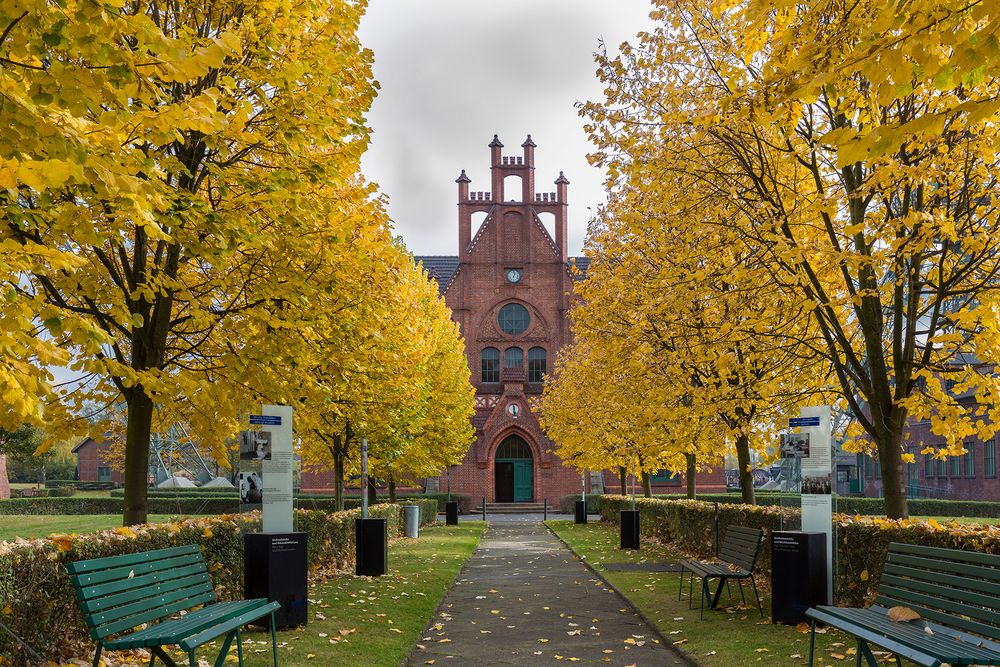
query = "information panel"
x=817 y=500
x=276 y=469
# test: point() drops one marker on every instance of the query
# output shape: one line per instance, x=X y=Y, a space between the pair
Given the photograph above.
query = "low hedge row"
x=37 y=602
x=567 y=504
x=82 y=486
x=865 y=506
x=200 y=493
x=862 y=541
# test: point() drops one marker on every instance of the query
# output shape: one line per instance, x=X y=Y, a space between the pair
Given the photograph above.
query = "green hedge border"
x=38 y=604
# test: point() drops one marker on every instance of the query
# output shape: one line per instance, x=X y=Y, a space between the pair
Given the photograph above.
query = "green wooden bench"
x=956 y=593
x=167 y=591
x=738 y=556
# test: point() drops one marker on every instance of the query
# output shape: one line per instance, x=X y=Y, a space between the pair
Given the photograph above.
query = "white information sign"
x=817 y=499
x=277 y=469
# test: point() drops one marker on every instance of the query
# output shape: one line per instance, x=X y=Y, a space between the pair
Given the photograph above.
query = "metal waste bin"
x=411 y=520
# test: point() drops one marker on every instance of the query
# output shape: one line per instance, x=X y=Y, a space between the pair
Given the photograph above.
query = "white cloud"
x=454 y=73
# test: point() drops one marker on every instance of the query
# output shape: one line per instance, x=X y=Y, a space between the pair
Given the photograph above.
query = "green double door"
x=514 y=480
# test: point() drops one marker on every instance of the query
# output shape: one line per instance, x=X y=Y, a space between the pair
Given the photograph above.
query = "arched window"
x=490 y=368
x=513 y=447
x=536 y=364
x=513 y=319
x=513 y=357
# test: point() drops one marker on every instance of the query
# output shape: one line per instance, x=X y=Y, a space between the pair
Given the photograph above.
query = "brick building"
x=510 y=289
x=92 y=462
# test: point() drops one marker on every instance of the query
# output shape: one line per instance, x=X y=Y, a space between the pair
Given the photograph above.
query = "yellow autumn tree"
x=175 y=178
x=846 y=152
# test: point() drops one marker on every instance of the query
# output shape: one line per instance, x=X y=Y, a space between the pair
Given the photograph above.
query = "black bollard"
x=581 y=511
x=629 y=529
x=371 y=547
x=484 y=508
x=451 y=513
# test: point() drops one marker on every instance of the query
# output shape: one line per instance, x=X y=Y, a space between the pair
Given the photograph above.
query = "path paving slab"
x=523 y=598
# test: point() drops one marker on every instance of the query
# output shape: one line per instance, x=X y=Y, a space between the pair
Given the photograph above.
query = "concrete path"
x=523 y=598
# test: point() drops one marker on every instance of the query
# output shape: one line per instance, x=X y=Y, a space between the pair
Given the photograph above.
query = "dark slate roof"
x=439 y=267
x=442 y=267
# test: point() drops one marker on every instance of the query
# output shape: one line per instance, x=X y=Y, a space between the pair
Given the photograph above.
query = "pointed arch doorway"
x=514 y=471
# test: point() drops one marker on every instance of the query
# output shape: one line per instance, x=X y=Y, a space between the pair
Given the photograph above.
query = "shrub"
x=62 y=491
x=865 y=506
x=38 y=604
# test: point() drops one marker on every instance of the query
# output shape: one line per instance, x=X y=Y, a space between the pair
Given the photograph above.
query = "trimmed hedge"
x=37 y=601
x=690 y=522
x=862 y=541
x=567 y=504
x=464 y=501
x=865 y=506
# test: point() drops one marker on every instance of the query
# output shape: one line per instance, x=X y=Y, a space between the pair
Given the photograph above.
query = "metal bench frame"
x=738 y=554
x=119 y=593
x=956 y=593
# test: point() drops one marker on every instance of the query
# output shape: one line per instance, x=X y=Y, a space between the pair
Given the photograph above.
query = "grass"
x=734 y=635
x=42 y=525
x=985 y=520
x=366 y=621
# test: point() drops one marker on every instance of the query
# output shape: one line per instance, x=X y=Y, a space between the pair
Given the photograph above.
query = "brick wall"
x=4 y=481
x=90 y=455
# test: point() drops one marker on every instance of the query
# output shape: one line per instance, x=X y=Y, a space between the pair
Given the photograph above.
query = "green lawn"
x=988 y=521
x=366 y=621
x=733 y=635
x=42 y=525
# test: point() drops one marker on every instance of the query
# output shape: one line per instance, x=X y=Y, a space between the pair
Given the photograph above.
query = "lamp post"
x=581 y=505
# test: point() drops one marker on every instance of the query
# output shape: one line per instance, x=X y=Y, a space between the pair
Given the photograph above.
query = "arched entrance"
x=514 y=471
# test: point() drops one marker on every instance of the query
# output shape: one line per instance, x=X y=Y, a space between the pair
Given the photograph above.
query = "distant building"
x=93 y=462
x=510 y=288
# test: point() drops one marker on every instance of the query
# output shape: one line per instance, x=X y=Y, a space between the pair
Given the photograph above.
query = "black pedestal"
x=630 y=529
x=798 y=574
x=371 y=547
x=451 y=513
x=275 y=567
x=581 y=511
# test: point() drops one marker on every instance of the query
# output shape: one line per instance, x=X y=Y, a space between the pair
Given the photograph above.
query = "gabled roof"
x=82 y=443
x=439 y=267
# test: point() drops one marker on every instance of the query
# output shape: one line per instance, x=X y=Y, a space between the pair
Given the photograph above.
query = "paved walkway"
x=523 y=598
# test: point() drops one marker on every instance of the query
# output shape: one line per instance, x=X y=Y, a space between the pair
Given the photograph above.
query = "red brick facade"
x=477 y=285
x=4 y=481
x=92 y=462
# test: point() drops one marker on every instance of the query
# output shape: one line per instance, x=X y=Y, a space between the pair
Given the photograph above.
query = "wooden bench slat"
x=174 y=630
x=951 y=604
x=136 y=569
x=895 y=569
x=957 y=555
x=94 y=593
x=154 y=615
x=102 y=604
x=197 y=640
x=149 y=604
x=893 y=582
x=81 y=566
x=940 y=616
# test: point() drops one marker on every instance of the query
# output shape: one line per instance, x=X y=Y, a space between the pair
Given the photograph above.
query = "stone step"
x=513 y=508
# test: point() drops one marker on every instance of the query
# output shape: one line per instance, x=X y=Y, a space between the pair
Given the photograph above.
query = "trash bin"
x=451 y=513
x=629 y=520
x=411 y=520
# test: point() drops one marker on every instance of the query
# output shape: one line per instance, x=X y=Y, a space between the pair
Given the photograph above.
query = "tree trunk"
x=622 y=479
x=889 y=440
x=372 y=492
x=647 y=486
x=746 y=474
x=692 y=471
x=392 y=488
x=137 y=430
x=338 y=477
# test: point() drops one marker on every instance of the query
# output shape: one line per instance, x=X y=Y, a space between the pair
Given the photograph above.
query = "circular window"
x=514 y=319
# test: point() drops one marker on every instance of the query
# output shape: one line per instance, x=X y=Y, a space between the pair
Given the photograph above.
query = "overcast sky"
x=454 y=72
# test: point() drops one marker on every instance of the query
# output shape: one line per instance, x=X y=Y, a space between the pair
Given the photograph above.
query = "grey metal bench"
x=738 y=556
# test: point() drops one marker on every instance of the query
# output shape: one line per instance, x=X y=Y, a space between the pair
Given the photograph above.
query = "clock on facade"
x=514 y=410
x=513 y=275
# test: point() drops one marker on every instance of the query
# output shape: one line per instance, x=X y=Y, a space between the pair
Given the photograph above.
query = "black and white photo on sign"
x=251 y=488
x=794 y=445
x=819 y=486
x=255 y=446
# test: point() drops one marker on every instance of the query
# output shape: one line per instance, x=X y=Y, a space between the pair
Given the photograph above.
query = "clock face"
x=513 y=275
x=513 y=410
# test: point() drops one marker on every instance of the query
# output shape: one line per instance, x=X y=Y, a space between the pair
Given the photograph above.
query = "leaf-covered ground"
x=370 y=621
x=732 y=635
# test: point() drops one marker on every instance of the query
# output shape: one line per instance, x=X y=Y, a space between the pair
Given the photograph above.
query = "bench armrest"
x=194 y=641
